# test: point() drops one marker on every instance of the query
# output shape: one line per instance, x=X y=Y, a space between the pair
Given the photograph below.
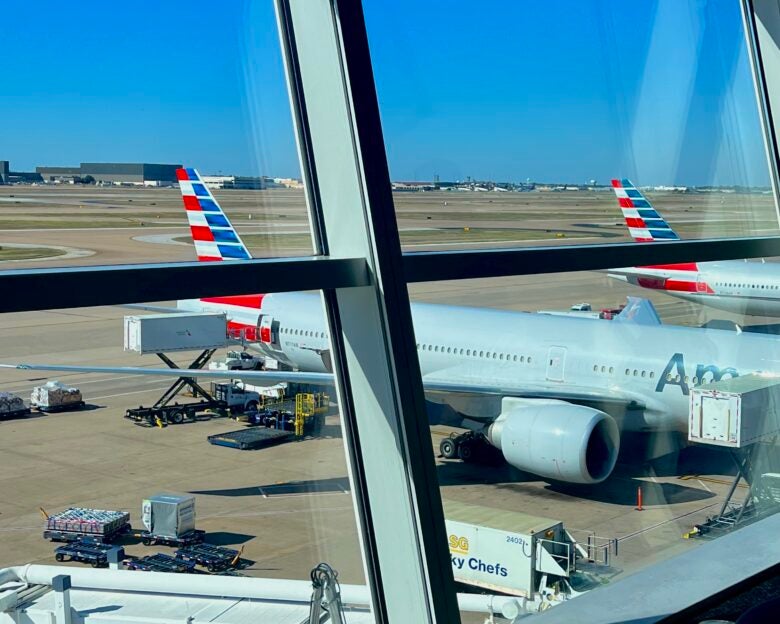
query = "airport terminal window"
x=673 y=106
x=710 y=188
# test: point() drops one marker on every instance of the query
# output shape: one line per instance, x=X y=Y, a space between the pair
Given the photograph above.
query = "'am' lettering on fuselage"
x=674 y=374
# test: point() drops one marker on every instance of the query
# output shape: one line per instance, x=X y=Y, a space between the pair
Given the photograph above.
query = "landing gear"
x=448 y=448
x=465 y=446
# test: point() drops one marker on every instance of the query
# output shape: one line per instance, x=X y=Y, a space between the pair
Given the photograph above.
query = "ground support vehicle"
x=76 y=523
x=222 y=398
x=469 y=446
x=213 y=558
x=195 y=536
x=161 y=563
x=239 y=360
x=85 y=550
x=11 y=406
x=161 y=416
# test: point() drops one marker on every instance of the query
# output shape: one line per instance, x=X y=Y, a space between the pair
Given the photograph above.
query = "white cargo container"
x=160 y=333
x=507 y=551
x=735 y=412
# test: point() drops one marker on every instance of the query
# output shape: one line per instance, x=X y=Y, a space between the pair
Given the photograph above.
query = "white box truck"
x=735 y=412
x=161 y=333
x=507 y=551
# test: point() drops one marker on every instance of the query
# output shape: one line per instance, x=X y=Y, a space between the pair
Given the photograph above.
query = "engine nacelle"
x=556 y=439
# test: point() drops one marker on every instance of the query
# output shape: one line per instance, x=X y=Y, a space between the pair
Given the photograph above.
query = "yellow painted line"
x=710 y=480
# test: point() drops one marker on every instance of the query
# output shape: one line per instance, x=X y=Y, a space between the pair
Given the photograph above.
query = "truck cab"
x=239 y=360
x=235 y=396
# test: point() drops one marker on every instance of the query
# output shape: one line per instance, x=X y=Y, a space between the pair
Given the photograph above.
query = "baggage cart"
x=161 y=563
x=213 y=558
x=195 y=536
x=85 y=550
x=251 y=438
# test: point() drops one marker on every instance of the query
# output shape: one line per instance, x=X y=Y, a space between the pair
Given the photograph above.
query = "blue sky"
x=534 y=89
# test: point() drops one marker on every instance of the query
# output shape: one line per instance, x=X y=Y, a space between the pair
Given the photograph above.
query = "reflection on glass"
x=592 y=423
x=499 y=140
x=254 y=448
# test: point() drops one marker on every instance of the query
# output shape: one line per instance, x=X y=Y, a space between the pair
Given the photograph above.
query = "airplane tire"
x=466 y=452
x=448 y=448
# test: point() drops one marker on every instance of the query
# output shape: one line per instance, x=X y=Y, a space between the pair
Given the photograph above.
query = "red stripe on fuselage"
x=245 y=301
x=693 y=287
x=249 y=332
x=683 y=266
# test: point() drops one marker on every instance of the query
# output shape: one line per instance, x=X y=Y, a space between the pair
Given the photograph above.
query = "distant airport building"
x=140 y=174
x=239 y=182
x=15 y=177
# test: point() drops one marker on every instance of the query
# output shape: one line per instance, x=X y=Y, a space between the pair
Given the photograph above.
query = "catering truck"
x=519 y=554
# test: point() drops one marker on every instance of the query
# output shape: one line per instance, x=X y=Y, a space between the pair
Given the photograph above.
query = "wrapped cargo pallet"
x=85 y=521
x=10 y=403
x=55 y=394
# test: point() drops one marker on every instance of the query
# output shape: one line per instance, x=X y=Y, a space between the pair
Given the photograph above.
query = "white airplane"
x=739 y=286
x=551 y=393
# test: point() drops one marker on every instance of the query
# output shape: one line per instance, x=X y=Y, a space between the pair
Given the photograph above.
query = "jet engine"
x=556 y=439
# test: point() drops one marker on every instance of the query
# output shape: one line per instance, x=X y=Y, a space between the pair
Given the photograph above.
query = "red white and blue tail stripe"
x=644 y=223
x=214 y=236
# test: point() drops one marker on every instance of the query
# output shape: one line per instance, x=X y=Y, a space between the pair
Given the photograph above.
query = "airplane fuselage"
x=741 y=287
x=658 y=365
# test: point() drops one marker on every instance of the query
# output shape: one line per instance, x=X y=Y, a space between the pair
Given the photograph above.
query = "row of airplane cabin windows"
x=302 y=332
x=755 y=286
x=643 y=373
x=488 y=355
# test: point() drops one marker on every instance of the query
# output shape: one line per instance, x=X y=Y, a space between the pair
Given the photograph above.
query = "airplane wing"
x=462 y=380
x=458 y=381
x=259 y=378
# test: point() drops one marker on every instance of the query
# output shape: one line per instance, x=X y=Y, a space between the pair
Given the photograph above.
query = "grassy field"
x=28 y=253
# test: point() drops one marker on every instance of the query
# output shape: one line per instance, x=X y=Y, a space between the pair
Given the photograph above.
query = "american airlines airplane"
x=550 y=393
x=739 y=286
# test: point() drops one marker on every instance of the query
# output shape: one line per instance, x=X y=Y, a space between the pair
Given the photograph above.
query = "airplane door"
x=556 y=363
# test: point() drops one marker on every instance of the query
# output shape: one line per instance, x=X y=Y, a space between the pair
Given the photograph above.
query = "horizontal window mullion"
x=481 y=263
x=75 y=287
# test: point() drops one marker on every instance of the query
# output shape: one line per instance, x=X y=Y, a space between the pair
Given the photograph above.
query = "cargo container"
x=506 y=551
x=161 y=333
x=169 y=515
x=735 y=412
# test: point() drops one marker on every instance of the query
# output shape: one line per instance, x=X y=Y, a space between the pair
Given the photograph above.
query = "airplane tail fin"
x=644 y=223
x=214 y=236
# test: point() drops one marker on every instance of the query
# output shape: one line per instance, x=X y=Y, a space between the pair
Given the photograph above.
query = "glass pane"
x=262 y=459
x=584 y=424
x=504 y=132
x=89 y=169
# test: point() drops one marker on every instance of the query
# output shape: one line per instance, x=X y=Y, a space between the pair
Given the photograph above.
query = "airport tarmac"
x=289 y=505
